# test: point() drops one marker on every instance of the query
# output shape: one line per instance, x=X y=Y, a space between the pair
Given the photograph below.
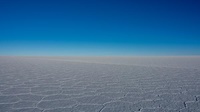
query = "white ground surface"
x=99 y=84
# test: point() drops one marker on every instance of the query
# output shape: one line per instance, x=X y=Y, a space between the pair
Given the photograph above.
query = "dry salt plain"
x=99 y=84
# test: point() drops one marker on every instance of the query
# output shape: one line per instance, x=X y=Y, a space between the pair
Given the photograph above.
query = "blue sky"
x=99 y=27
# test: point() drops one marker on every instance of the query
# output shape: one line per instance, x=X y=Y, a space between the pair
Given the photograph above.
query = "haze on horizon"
x=99 y=27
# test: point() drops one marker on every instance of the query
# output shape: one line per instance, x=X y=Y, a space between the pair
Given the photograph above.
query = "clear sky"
x=99 y=27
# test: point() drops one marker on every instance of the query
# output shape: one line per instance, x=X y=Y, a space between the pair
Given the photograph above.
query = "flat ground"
x=100 y=84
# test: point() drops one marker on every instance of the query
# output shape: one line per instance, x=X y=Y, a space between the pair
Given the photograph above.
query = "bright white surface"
x=100 y=84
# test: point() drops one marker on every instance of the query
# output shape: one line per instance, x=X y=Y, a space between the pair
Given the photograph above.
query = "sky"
x=99 y=27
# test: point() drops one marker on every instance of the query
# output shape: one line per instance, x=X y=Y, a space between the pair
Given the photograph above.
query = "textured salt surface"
x=99 y=84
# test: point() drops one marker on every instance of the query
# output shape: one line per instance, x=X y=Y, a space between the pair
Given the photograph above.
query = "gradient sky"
x=99 y=27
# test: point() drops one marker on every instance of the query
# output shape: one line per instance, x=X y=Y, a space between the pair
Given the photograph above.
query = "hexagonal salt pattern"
x=55 y=84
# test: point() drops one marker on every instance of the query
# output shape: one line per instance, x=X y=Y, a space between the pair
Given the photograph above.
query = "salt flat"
x=99 y=84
